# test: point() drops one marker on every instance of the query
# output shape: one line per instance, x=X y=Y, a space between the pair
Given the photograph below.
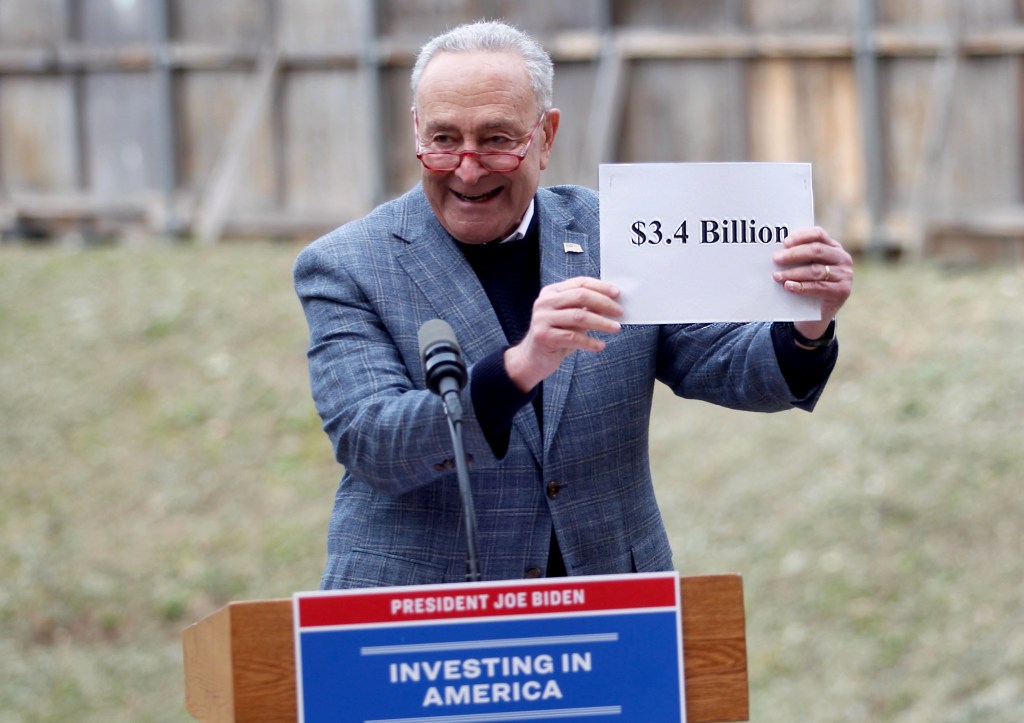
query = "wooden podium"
x=240 y=660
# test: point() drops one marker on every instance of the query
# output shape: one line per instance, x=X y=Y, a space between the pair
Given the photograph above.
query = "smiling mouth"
x=479 y=198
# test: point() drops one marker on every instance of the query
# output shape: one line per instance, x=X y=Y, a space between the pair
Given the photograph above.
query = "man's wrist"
x=820 y=342
x=518 y=370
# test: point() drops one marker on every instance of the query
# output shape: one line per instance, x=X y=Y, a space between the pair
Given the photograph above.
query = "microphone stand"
x=453 y=413
x=445 y=375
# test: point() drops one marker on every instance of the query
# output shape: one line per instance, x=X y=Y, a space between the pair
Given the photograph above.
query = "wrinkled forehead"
x=468 y=80
x=486 y=122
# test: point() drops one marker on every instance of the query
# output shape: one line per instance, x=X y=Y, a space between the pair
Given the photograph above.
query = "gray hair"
x=494 y=37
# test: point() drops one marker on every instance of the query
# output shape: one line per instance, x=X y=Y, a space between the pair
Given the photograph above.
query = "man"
x=558 y=402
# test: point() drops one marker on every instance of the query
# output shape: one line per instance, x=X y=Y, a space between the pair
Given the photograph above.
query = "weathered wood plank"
x=326 y=150
x=120 y=143
x=37 y=134
x=735 y=79
x=31 y=22
x=687 y=112
x=219 y=191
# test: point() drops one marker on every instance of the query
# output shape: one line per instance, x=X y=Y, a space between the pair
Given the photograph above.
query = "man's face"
x=481 y=101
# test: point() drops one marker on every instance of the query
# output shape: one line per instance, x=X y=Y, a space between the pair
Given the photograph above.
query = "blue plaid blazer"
x=368 y=286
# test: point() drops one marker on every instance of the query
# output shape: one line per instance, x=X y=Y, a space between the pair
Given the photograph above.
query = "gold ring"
x=828 y=273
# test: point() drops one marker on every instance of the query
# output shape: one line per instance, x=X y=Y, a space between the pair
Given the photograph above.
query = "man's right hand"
x=563 y=314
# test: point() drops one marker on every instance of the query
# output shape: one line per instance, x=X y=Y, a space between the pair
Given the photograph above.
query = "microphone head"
x=441 y=355
x=436 y=331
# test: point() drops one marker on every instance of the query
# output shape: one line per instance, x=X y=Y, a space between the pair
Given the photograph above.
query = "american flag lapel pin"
x=571 y=248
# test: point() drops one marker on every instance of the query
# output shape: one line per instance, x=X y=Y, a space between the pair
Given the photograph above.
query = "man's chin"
x=476 y=233
x=477 y=227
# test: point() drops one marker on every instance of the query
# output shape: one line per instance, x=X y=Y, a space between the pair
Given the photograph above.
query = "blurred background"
x=256 y=118
x=163 y=161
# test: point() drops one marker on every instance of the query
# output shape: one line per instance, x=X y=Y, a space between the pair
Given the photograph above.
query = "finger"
x=833 y=293
x=812 y=245
x=579 y=297
x=585 y=291
x=814 y=265
x=808 y=253
x=602 y=287
x=575 y=320
x=811 y=234
x=824 y=273
x=571 y=340
x=560 y=341
x=589 y=301
x=585 y=319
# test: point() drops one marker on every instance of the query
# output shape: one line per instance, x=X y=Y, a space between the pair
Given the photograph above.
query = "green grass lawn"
x=160 y=456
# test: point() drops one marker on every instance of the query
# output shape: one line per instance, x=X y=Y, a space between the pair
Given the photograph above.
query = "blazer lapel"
x=437 y=267
x=564 y=254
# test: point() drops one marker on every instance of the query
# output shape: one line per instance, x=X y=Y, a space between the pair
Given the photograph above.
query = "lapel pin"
x=571 y=248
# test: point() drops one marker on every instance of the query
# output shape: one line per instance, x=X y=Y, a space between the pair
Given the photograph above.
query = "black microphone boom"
x=445 y=374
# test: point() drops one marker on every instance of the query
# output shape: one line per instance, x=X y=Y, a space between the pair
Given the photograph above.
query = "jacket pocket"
x=652 y=554
x=370 y=568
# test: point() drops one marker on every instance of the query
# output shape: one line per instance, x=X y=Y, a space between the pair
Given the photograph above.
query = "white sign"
x=693 y=242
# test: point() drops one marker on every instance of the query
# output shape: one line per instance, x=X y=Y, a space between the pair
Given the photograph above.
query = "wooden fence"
x=288 y=117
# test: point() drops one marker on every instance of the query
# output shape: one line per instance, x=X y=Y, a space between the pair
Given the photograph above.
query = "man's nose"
x=469 y=169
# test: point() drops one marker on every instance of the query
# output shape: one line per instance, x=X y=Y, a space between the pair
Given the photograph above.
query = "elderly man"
x=559 y=395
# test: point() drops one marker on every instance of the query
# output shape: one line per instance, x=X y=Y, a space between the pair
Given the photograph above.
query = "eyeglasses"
x=494 y=161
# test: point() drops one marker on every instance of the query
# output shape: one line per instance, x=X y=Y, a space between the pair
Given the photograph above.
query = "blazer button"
x=533 y=572
x=552 y=490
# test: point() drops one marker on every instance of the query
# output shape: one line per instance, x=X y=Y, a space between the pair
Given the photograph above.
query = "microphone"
x=441 y=355
x=445 y=373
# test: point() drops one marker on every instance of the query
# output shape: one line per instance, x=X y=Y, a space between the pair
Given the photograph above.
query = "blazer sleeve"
x=386 y=428
x=732 y=365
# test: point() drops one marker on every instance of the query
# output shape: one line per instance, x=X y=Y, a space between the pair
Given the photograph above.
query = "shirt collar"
x=523 y=227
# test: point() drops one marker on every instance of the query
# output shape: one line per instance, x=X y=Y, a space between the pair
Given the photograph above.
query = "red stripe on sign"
x=348 y=607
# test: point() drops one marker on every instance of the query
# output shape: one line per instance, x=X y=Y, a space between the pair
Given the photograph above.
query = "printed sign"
x=571 y=649
x=693 y=242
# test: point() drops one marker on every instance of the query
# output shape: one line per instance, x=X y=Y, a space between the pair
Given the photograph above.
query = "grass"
x=160 y=456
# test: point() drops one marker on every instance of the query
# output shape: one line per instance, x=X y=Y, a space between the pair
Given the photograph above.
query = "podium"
x=240 y=660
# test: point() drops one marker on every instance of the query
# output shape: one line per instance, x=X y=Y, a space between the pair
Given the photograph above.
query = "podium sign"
x=571 y=649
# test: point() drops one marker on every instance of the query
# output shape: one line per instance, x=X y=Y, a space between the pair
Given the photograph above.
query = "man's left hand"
x=816 y=265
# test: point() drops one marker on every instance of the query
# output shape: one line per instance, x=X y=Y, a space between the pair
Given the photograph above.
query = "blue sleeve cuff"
x=805 y=370
x=496 y=399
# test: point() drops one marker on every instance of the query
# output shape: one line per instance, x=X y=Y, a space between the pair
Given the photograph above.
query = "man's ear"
x=550 y=128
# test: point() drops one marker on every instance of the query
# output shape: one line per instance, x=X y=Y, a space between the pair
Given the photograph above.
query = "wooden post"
x=240 y=661
x=212 y=213
x=934 y=136
x=865 y=64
